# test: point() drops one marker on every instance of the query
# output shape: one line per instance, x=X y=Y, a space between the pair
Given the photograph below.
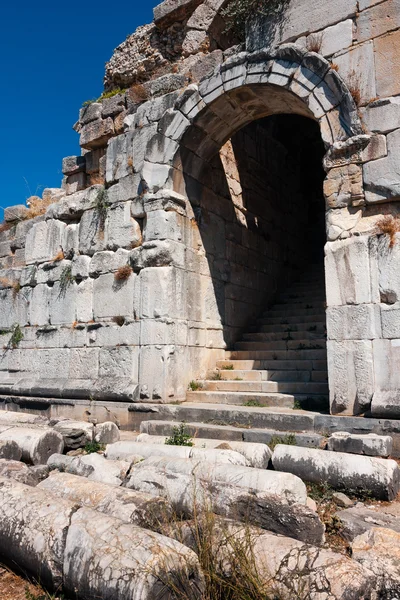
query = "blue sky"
x=52 y=59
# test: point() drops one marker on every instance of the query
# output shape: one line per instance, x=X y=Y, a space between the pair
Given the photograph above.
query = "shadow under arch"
x=244 y=99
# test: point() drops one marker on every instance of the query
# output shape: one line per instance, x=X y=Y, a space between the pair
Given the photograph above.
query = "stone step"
x=287 y=320
x=317 y=344
x=242 y=398
x=283 y=419
x=281 y=387
x=316 y=354
x=319 y=326
x=292 y=311
x=282 y=336
x=302 y=298
x=234 y=434
x=271 y=375
x=278 y=365
x=306 y=305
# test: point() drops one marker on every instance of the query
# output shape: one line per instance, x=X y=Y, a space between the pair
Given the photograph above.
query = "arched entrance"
x=289 y=104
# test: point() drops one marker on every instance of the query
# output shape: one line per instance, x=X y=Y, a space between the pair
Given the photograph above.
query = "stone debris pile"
x=124 y=517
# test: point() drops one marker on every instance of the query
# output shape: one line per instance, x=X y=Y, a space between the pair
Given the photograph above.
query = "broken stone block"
x=74 y=183
x=106 y=557
x=122 y=450
x=129 y=506
x=76 y=434
x=107 y=433
x=381 y=177
x=96 y=133
x=29 y=515
x=189 y=485
x=113 y=106
x=378 y=550
x=357 y=520
x=10 y=450
x=256 y=455
x=73 y=164
x=369 y=444
x=383 y=116
x=15 y=213
x=89 y=113
x=93 y=466
x=281 y=559
x=376 y=476
x=36 y=445
x=342 y=500
x=386 y=62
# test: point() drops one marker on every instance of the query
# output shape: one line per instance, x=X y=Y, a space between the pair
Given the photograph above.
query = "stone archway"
x=247 y=87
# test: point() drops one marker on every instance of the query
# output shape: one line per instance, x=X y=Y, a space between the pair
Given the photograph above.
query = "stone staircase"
x=281 y=362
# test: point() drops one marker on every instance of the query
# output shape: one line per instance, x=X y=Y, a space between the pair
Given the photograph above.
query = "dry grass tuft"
x=389 y=225
x=354 y=87
x=123 y=273
x=314 y=42
x=96 y=179
x=334 y=66
x=37 y=206
x=119 y=320
x=8 y=283
x=59 y=256
x=138 y=93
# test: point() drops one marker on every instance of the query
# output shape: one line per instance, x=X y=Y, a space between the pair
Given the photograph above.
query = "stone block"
x=84 y=301
x=39 y=306
x=390 y=317
x=44 y=241
x=351 y=376
x=381 y=177
x=159 y=372
x=131 y=550
x=80 y=266
x=36 y=445
x=388 y=270
x=107 y=433
x=161 y=225
x=113 y=106
x=357 y=68
x=73 y=206
x=378 y=550
x=63 y=304
x=70 y=242
x=369 y=444
x=128 y=188
x=15 y=213
x=382 y=115
x=377 y=148
x=119 y=362
x=360 y=322
x=96 y=133
x=28 y=515
x=14 y=309
x=299 y=19
x=116 y=335
x=76 y=434
x=349 y=274
x=386 y=400
x=111 y=298
x=73 y=164
x=162 y=293
x=337 y=38
x=344 y=186
x=387 y=64
x=357 y=520
x=74 y=183
x=92 y=159
x=89 y=113
x=123 y=231
x=340 y=470
x=92 y=233
x=378 y=19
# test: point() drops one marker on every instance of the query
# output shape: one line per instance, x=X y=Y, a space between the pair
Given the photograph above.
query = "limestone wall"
x=135 y=197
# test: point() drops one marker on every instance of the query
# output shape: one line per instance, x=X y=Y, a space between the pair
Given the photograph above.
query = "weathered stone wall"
x=138 y=194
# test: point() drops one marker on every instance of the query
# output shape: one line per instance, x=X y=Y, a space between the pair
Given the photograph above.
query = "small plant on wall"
x=389 y=225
